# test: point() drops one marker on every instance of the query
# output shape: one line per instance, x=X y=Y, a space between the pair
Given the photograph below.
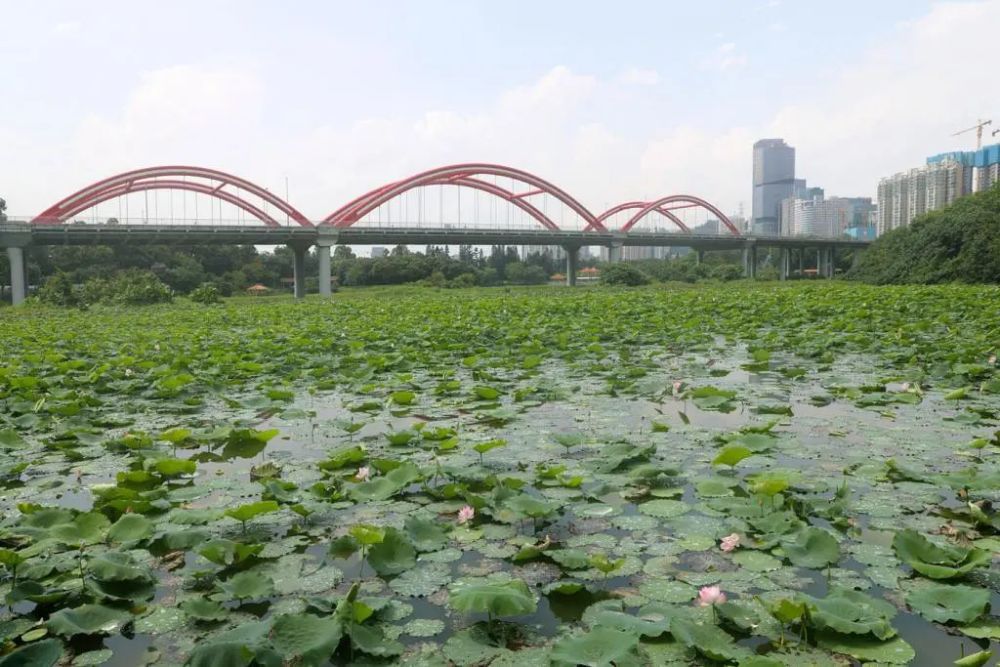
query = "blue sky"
x=610 y=100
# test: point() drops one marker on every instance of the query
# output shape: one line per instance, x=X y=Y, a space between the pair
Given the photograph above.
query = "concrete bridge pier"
x=327 y=239
x=18 y=275
x=615 y=252
x=750 y=260
x=572 y=260
x=784 y=263
x=15 y=237
x=299 y=270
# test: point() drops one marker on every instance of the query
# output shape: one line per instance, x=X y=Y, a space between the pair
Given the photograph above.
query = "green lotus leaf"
x=39 y=654
x=943 y=603
x=304 y=639
x=367 y=535
x=511 y=598
x=709 y=640
x=852 y=612
x=245 y=513
x=731 y=455
x=664 y=508
x=393 y=554
x=247 y=586
x=489 y=445
x=611 y=614
x=175 y=467
x=371 y=640
x=386 y=486
x=130 y=528
x=403 y=397
x=425 y=534
x=867 y=648
x=342 y=458
x=87 y=619
x=599 y=647
x=116 y=566
x=935 y=560
x=975 y=659
x=10 y=439
x=811 y=547
x=527 y=505
x=221 y=654
x=85 y=528
x=569 y=559
x=203 y=609
x=226 y=552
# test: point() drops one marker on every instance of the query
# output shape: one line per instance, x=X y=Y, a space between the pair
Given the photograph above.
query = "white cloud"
x=66 y=28
x=726 y=58
x=638 y=76
x=176 y=114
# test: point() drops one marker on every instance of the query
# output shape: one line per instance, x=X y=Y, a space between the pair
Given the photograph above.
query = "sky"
x=610 y=101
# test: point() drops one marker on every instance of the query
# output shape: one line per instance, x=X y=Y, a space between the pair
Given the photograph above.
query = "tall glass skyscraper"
x=773 y=181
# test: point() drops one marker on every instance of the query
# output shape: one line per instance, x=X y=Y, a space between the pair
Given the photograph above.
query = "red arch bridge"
x=267 y=219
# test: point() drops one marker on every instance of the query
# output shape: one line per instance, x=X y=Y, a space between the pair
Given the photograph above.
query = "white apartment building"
x=904 y=196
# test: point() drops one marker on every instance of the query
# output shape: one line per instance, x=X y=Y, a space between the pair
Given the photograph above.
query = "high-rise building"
x=944 y=178
x=773 y=182
x=819 y=216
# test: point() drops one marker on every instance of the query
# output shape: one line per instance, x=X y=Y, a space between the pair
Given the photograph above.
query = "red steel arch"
x=464 y=175
x=680 y=201
x=150 y=179
x=625 y=206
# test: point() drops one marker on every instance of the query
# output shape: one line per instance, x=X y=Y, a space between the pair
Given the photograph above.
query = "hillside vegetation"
x=959 y=243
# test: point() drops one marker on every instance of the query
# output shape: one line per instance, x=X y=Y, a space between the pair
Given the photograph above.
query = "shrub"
x=464 y=280
x=206 y=293
x=59 y=290
x=135 y=287
x=622 y=273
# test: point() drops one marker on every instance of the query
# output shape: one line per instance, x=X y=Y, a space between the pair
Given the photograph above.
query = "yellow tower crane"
x=978 y=127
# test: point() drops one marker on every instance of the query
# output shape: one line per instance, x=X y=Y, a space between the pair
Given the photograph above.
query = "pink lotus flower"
x=363 y=474
x=905 y=386
x=466 y=514
x=992 y=360
x=729 y=542
x=710 y=595
x=677 y=387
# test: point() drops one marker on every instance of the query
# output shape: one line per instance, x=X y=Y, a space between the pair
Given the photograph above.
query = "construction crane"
x=978 y=127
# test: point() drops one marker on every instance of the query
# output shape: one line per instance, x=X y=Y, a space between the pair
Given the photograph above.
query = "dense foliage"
x=623 y=274
x=959 y=243
x=206 y=293
x=132 y=287
x=733 y=474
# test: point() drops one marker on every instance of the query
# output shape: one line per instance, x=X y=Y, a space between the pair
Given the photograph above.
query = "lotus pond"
x=746 y=475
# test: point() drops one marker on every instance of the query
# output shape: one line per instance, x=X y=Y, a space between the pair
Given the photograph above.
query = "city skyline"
x=337 y=115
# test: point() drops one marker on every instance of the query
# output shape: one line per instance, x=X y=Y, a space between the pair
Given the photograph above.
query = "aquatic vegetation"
x=742 y=475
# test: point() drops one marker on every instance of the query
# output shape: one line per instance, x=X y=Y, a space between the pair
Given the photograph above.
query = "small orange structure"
x=257 y=290
x=590 y=271
x=557 y=277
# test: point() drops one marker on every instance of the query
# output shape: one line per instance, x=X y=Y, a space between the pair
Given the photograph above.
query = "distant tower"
x=773 y=181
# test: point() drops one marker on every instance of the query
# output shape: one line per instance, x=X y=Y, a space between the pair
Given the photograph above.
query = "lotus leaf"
x=511 y=598
x=945 y=604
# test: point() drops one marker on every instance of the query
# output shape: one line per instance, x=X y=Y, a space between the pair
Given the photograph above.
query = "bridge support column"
x=802 y=254
x=750 y=261
x=831 y=263
x=784 y=263
x=572 y=259
x=699 y=257
x=323 y=255
x=299 y=270
x=615 y=253
x=18 y=275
